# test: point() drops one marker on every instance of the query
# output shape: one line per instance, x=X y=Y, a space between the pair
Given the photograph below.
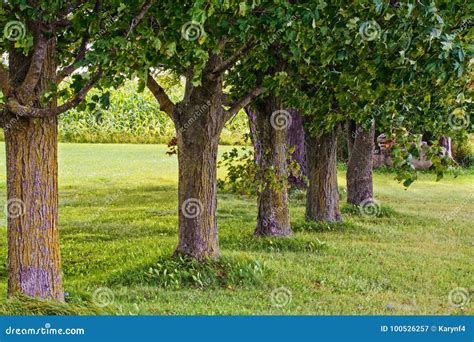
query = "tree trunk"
x=359 y=166
x=295 y=136
x=322 y=196
x=197 y=197
x=273 y=215
x=34 y=265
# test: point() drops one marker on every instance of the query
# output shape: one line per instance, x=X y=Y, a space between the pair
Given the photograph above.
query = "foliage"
x=245 y=176
x=241 y=171
x=405 y=66
x=131 y=116
x=98 y=25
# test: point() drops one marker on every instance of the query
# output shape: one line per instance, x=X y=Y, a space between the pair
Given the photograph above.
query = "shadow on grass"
x=119 y=213
x=99 y=197
x=110 y=232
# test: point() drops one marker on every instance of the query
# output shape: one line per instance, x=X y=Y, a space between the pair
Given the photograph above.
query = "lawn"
x=118 y=206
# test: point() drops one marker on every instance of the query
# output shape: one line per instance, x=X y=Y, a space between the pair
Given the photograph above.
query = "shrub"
x=224 y=272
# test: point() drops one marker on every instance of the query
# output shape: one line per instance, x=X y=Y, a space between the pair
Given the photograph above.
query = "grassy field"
x=118 y=206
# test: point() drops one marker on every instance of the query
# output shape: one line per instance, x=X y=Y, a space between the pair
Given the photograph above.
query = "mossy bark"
x=273 y=215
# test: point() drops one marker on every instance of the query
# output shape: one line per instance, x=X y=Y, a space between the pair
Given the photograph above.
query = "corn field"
x=132 y=117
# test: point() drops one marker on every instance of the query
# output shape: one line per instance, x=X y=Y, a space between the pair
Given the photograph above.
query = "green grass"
x=118 y=206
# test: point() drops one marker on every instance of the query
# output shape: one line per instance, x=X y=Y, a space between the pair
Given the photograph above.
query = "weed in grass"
x=226 y=272
x=179 y=272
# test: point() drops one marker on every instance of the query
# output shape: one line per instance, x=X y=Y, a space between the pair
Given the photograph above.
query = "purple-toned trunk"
x=34 y=263
x=295 y=137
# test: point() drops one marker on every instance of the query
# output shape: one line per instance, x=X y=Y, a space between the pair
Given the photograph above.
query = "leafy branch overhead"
x=60 y=32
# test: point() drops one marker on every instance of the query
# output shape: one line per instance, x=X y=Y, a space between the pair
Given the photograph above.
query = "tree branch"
x=27 y=111
x=189 y=83
x=159 y=93
x=245 y=101
x=69 y=9
x=80 y=96
x=136 y=20
x=34 y=70
x=81 y=54
x=229 y=62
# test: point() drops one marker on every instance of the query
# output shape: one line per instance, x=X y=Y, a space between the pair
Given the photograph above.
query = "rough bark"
x=273 y=215
x=199 y=122
x=34 y=265
x=322 y=196
x=359 y=167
